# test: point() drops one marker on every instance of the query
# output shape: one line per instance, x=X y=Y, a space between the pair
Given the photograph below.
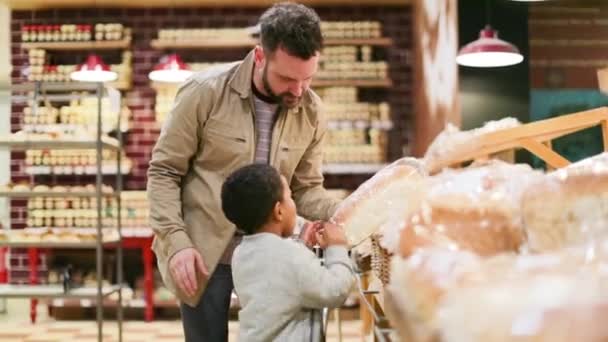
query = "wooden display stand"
x=535 y=137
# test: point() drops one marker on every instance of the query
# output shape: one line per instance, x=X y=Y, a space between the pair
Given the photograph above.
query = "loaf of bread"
x=476 y=209
x=417 y=286
x=569 y=206
x=444 y=295
x=392 y=191
x=550 y=298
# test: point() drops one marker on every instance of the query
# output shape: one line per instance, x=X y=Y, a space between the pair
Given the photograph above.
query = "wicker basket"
x=381 y=260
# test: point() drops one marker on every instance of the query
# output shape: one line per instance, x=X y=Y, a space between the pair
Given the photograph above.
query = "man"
x=258 y=110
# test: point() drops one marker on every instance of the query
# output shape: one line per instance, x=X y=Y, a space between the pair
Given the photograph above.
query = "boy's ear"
x=277 y=212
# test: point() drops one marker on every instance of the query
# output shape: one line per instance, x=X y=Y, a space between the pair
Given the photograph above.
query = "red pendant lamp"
x=170 y=69
x=489 y=51
x=93 y=70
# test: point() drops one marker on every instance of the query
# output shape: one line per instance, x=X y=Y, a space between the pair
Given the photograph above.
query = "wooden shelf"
x=31 y=194
x=360 y=124
x=79 y=45
x=358 y=41
x=353 y=83
x=200 y=44
x=108 y=303
x=57 y=144
x=251 y=42
x=57 y=245
x=15 y=240
x=68 y=86
x=352 y=168
x=52 y=291
x=53 y=4
x=106 y=169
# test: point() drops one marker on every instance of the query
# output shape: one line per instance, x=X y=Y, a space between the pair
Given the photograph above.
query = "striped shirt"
x=265 y=115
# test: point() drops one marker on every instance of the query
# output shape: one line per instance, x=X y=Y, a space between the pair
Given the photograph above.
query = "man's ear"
x=259 y=56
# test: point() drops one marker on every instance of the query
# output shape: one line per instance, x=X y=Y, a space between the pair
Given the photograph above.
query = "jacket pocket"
x=289 y=156
x=224 y=147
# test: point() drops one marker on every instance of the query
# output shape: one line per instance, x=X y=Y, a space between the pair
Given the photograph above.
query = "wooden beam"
x=42 y=4
x=551 y=157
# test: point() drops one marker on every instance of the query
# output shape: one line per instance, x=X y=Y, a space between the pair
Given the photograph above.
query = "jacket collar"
x=242 y=78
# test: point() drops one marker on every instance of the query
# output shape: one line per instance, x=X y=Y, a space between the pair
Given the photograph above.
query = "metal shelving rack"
x=99 y=144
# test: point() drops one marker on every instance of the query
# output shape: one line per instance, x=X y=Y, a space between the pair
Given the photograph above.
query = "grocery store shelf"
x=360 y=124
x=109 y=169
x=52 y=291
x=251 y=42
x=202 y=44
x=352 y=168
x=30 y=194
x=58 y=244
x=17 y=143
x=80 y=45
x=67 y=86
x=353 y=83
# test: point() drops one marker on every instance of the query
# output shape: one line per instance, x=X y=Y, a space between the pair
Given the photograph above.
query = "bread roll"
x=569 y=206
x=391 y=191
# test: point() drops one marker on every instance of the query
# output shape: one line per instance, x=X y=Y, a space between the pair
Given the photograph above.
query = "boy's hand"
x=329 y=234
x=308 y=233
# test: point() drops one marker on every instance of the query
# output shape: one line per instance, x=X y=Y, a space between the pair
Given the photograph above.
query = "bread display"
x=568 y=206
x=392 y=191
x=550 y=297
x=476 y=209
x=443 y=295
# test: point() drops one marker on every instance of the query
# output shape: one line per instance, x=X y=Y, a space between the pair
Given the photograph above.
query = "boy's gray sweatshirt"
x=282 y=286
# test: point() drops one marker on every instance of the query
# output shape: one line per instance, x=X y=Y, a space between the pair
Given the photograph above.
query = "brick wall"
x=567 y=45
x=145 y=24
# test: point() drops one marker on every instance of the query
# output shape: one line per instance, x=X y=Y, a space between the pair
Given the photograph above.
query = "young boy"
x=280 y=283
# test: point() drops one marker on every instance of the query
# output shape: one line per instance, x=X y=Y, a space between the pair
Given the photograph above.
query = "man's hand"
x=183 y=266
x=329 y=234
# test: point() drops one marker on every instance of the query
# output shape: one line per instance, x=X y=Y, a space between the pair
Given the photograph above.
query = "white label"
x=114 y=96
x=85 y=303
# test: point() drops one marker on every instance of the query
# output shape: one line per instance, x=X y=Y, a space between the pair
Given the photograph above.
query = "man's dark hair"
x=293 y=27
x=249 y=195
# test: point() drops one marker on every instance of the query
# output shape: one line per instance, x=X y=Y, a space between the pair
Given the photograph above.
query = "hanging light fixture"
x=93 y=70
x=489 y=51
x=171 y=69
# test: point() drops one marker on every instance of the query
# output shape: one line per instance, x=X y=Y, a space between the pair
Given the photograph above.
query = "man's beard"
x=285 y=99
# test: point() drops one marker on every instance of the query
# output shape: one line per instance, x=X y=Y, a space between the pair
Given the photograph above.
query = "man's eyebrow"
x=293 y=79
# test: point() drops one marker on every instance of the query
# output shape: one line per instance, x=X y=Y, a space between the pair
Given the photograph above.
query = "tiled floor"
x=15 y=327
